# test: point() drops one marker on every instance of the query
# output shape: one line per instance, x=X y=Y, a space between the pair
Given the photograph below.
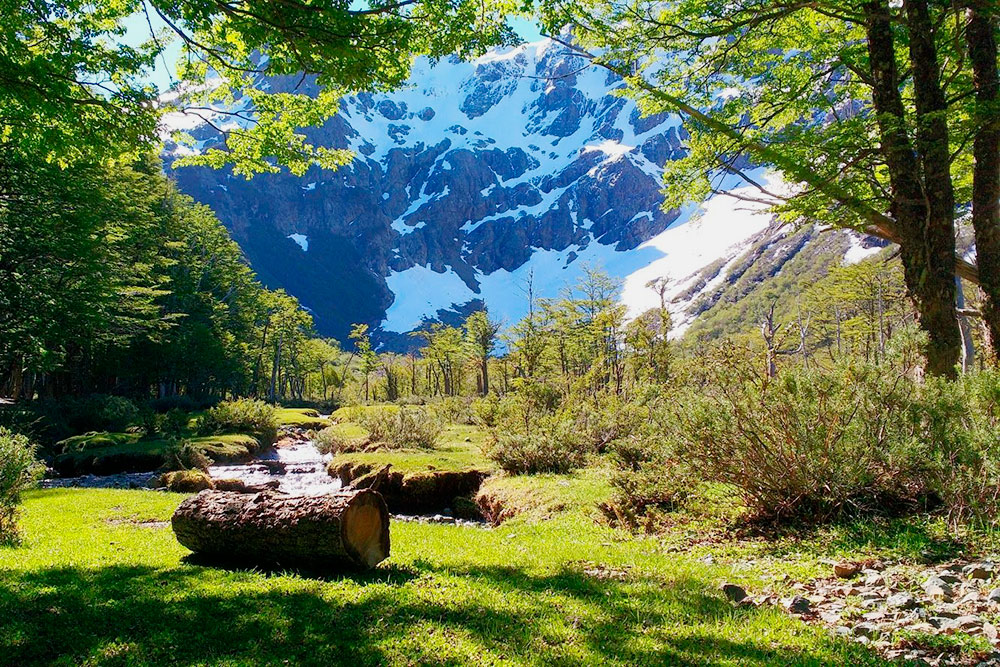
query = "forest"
x=801 y=466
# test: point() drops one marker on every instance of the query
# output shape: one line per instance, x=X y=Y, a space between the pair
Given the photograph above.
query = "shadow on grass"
x=132 y=614
x=388 y=573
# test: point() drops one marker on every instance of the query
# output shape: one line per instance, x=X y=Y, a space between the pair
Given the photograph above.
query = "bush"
x=174 y=422
x=555 y=446
x=646 y=482
x=453 y=410
x=337 y=439
x=18 y=471
x=177 y=402
x=807 y=445
x=182 y=455
x=245 y=415
x=98 y=412
x=401 y=427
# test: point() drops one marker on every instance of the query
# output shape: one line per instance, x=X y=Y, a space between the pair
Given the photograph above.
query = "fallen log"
x=340 y=530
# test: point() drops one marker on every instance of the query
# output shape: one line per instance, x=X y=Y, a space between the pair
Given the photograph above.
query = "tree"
x=72 y=89
x=369 y=359
x=481 y=333
x=864 y=106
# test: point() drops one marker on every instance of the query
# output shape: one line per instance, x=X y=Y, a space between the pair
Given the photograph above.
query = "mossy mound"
x=540 y=497
x=134 y=455
x=304 y=418
x=186 y=481
x=410 y=492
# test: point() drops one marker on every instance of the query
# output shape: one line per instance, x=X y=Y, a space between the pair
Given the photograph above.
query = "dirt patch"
x=415 y=492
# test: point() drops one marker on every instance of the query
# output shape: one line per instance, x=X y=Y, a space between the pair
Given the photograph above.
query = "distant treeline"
x=111 y=281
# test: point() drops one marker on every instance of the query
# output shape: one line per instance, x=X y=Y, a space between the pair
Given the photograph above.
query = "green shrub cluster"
x=337 y=439
x=98 y=412
x=244 y=415
x=406 y=426
x=858 y=439
x=18 y=471
x=529 y=434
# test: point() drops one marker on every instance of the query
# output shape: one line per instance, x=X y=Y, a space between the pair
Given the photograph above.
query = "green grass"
x=536 y=497
x=458 y=449
x=101 y=580
x=216 y=447
x=306 y=418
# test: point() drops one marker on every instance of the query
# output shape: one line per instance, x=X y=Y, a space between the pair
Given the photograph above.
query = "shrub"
x=177 y=402
x=807 y=444
x=174 y=422
x=555 y=446
x=337 y=439
x=963 y=420
x=401 y=427
x=182 y=455
x=244 y=415
x=646 y=481
x=453 y=410
x=18 y=471
x=69 y=416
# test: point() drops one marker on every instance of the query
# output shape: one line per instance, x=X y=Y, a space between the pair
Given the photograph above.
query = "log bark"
x=341 y=530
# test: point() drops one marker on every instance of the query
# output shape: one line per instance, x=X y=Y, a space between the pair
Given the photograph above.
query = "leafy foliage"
x=242 y=416
x=18 y=471
x=398 y=427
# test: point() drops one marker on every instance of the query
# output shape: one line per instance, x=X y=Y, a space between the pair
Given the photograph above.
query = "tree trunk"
x=982 y=43
x=927 y=241
x=347 y=529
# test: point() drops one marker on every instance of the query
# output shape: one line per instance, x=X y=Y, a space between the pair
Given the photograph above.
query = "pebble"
x=798 y=605
x=948 y=599
x=866 y=630
x=901 y=601
x=733 y=592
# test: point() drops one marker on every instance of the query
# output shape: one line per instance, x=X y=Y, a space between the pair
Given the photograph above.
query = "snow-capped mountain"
x=473 y=178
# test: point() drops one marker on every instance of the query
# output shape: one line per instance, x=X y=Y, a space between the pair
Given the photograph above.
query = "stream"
x=294 y=464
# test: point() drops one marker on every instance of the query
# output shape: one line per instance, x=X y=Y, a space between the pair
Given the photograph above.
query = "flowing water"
x=298 y=468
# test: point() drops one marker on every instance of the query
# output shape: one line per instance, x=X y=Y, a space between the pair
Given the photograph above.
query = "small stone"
x=978 y=571
x=950 y=578
x=968 y=622
x=797 y=605
x=874 y=616
x=944 y=625
x=970 y=598
x=874 y=579
x=991 y=633
x=829 y=617
x=901 y=601
x=733 y=592
x=994 y=596
x=938 y=591
x=867 y=630
x=846 y=570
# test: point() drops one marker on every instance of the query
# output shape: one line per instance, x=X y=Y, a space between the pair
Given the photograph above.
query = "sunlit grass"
x=100 y=579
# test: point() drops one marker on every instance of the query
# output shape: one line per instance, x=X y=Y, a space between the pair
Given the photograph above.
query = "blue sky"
x=137 y=31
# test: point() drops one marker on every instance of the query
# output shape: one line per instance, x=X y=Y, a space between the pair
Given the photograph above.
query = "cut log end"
x=347 y=529
x=365 y=529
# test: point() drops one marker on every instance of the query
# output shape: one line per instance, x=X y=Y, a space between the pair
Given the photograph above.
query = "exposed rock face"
x=474 y=169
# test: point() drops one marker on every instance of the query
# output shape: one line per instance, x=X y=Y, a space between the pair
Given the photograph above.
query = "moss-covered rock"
x=186 y=481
